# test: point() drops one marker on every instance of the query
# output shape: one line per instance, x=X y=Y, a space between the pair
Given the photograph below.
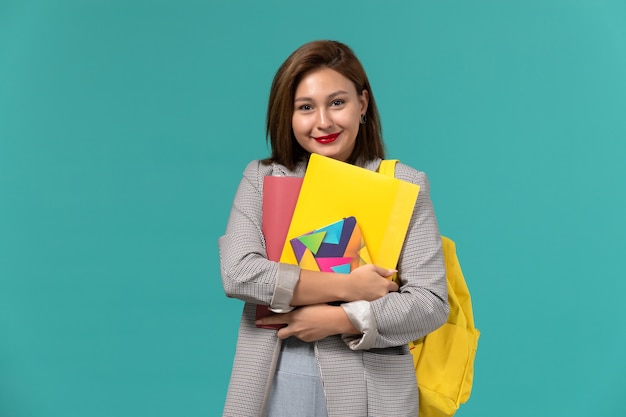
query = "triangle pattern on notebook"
x=341 y=269
x=298 y=249
x=337 y=247
x=312 y=241
x=333 y=232
x=327 y=264
x=308 y=261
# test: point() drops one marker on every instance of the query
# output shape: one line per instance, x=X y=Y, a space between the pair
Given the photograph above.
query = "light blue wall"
x=124 y=129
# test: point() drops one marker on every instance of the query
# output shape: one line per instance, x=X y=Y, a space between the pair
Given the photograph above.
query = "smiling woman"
x=328 y=112
x=320 y=76
x=342 y=348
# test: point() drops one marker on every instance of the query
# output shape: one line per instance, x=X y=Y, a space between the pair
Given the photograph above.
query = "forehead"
x=324 y=81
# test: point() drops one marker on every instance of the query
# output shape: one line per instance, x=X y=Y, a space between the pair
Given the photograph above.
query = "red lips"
x=326 y=139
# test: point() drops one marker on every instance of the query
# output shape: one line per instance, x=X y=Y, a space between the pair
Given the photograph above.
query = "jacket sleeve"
x=246 y=272
x=421 y=304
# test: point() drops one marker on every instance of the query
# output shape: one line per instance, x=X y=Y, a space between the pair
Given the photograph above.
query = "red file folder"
x=280 y=195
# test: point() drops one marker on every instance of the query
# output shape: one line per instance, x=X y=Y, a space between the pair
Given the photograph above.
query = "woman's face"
x=327 y=113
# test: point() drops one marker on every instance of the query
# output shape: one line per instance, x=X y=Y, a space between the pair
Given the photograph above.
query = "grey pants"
x=297 y=388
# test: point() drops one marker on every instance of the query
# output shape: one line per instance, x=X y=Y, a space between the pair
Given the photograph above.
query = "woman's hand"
x=316 y=321
x=312 y=323
x=369 y=283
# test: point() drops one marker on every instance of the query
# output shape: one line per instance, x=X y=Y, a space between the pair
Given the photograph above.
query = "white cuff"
x=288 y=276
x=361 y=316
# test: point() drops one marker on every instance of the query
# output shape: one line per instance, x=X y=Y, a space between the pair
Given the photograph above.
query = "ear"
x=364 y=100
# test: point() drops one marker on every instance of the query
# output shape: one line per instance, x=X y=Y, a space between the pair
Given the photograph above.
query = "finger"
x=283 y=333
x=392 y=286
x=384 y=272
x=273 y=319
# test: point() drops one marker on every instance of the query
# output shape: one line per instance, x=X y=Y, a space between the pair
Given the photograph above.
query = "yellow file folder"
x=333 y=190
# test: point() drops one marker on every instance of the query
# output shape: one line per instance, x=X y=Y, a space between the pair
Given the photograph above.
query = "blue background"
x=124 y=130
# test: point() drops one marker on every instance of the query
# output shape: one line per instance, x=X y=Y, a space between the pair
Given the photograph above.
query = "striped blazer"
x=360 y=379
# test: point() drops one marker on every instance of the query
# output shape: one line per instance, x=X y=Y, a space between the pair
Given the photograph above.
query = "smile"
x=327 y=139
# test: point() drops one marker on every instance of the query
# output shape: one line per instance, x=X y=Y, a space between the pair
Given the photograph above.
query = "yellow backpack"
x=444 y=358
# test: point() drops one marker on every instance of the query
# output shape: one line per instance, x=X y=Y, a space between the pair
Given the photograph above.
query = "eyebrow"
x=331 y=95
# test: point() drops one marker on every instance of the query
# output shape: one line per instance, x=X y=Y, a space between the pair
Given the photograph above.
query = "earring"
x=363 y=119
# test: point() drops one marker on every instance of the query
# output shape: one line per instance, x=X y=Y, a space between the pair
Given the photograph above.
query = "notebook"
x=337 y=247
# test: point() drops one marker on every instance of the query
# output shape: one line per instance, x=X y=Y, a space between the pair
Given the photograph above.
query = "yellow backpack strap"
x=388 y=167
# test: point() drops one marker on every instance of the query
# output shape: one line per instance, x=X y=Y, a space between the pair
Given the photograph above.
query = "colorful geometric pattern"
x=338 y=247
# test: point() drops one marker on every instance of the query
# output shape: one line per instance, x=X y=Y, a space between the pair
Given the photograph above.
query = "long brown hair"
x=310 y=56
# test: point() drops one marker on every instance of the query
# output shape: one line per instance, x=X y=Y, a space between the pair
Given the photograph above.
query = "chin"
x=331 y=154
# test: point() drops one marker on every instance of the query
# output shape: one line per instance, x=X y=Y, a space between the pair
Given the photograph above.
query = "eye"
x=338 y=102
x=305 y=107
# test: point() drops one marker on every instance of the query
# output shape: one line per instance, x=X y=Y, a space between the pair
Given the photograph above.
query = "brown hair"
x=310 y=56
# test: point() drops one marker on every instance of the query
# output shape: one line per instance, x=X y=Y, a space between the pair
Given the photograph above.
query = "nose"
x=324 y=120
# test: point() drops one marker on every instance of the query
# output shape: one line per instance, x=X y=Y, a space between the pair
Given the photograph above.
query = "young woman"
x=328 y=360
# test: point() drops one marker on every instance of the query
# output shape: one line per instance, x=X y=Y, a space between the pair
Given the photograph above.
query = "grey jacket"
x=370 y=375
